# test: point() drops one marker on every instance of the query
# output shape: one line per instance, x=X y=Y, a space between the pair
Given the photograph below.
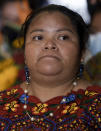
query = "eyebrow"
x=37 y=30
x=59 y=30
x=65 y=29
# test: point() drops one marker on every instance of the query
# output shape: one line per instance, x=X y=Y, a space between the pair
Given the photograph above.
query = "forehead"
x=50 y=14
x=55 y=19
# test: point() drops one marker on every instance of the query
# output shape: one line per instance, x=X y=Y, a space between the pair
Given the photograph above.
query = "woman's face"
x=52 y=46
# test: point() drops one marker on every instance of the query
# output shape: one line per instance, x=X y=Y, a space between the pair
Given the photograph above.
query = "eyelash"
x=65 y=37
x=38 y=37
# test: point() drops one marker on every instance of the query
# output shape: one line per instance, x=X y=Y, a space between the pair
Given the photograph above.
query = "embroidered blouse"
x=78 y=111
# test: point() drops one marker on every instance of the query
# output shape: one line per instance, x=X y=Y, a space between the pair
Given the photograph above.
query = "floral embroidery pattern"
x=77 y=111
x=13 y=91
x=39 y=109
x=90 y=93
x=70 y=108
x=11 y=106
x=96 y=106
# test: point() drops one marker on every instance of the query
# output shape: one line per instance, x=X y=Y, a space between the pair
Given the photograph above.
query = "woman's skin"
x=52 y=56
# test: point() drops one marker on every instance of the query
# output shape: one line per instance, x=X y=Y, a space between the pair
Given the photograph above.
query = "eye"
x=64 y=37
x=37 y=37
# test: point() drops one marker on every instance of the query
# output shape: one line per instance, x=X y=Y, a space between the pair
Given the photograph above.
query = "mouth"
x=49 y=57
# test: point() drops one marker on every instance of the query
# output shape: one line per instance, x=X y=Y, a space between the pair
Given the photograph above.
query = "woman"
x=54 y=97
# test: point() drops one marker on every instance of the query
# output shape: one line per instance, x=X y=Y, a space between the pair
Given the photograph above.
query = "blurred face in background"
x=13 y=15
x=15 y=12
x=10 y=12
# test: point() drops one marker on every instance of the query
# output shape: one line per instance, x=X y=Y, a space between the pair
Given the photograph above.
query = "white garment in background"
x=94 y=43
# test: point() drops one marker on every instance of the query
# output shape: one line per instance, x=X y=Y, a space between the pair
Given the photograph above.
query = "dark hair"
x=35 y=4
x=75 y=18
x=93 y=6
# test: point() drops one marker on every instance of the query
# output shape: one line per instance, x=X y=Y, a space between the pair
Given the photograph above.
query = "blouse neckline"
x=56 y=99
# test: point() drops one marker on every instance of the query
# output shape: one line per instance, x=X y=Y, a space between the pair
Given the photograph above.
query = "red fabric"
x=82 y=113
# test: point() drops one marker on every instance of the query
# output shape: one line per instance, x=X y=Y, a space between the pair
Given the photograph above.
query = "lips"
x=49 y=56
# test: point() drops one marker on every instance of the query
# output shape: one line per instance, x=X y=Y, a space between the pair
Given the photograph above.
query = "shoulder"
x=91 y=98
x=93 y=102
x=9 y=95
x=11 y=91
x=10 y=105
x=94 y=88
x=86 y=85
x=89 y=94
x=92 y=91
x=93 y=95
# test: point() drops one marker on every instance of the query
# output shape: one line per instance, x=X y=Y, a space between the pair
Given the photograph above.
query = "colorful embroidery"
x=70 y=109
x=68 y=99
x=80 y=111
x=13 y=91
x=24 y=98
x=90 y=93
x=39 y=108
x=12 y=106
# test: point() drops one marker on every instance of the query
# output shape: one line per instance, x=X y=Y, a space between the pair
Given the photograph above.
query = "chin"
x=50 y=73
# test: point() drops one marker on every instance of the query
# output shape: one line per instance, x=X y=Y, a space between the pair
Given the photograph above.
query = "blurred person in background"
x=92 y=5
x=93 y=63
x=13 y=14
x=94 y=43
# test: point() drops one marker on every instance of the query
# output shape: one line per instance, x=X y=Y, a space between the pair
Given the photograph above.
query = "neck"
x=45 y=93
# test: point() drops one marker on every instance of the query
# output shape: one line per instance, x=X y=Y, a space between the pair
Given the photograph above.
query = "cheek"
x=70 y=53
x=31 y=54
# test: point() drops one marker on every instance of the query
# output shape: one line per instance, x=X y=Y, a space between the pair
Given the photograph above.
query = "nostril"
x=53 y=48
x=46 y=48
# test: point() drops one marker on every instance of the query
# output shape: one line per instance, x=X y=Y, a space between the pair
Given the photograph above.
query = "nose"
x=50 y=46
